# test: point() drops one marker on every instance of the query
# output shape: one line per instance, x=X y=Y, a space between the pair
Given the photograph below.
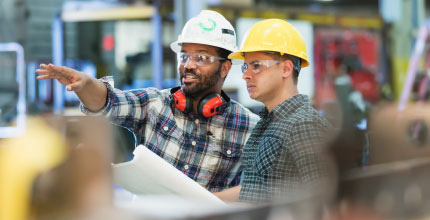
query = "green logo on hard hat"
x=208 y=26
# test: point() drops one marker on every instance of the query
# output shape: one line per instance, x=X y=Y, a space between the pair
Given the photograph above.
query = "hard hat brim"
x=176 y=46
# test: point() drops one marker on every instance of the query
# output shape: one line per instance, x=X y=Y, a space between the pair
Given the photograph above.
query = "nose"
x=190 y=64
x=246 y=75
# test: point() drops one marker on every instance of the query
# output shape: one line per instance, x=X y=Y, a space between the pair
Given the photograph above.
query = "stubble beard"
x=205 y=82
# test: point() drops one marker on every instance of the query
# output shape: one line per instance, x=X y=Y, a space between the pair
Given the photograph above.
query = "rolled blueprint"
x=149 y=174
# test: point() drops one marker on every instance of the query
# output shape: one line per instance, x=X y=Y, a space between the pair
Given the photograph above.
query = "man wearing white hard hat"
x=194 y=127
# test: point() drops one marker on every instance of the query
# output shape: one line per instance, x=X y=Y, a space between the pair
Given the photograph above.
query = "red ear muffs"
x=211 y=105
x=182 y=103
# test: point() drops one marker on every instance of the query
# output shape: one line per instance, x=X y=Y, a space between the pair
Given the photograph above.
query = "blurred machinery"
x=120 y=36
x=421 y=49
x=354 y=53
x=396 y=182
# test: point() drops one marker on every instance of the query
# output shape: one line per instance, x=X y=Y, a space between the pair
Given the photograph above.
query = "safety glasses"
x=198 y=59
x=258 y=66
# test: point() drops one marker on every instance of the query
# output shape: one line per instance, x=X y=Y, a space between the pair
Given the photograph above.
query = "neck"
x=284 y=93
x=197 y=99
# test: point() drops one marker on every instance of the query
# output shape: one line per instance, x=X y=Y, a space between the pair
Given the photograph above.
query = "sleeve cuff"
x=106 y=108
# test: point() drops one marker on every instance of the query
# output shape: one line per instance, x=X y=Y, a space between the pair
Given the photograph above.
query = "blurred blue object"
x=136 y=84
x=362 y=125
x=12 y=89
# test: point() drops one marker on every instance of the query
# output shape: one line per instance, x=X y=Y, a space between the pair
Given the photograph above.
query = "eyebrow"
x=199 y=51
x=252 y=61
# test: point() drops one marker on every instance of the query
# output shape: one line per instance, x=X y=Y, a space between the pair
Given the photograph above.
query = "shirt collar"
x=285 y=108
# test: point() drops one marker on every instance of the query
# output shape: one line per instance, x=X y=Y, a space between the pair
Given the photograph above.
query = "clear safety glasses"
x=198 y=59
x=259 y=65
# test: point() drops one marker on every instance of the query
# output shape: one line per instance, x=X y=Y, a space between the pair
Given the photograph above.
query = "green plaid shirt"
x=285 y=153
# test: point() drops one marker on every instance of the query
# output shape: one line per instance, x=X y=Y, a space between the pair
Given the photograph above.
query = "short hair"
x=295 y=60
x=223 y=53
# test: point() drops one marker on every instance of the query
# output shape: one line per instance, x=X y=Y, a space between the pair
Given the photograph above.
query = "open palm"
x=72 y=79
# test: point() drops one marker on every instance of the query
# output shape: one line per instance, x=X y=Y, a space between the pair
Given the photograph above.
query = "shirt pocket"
x=266 y=154
x=164 y=138
x=220 y=156
x=166 y=127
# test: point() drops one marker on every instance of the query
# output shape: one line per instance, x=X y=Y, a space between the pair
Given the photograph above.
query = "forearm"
x=229 y=195
x=93 y=95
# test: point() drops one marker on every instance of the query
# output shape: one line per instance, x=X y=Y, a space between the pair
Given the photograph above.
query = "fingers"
x=73 y=86
x=72 y=79
x=43 y=66
x=51 y=71
x=41 y=72
x=51 y=68
x=47 y=66
x=44 y=74
x=45 y=71
x=43 y=77
x=59 y=69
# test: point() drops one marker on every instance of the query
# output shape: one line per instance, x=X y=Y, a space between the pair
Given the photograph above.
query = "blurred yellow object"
x=21 y=160
x=273 y=35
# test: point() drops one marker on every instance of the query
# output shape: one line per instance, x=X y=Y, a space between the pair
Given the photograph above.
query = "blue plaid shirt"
x=207 y=150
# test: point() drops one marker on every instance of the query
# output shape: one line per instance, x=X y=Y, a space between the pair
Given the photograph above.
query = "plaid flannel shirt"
x=285 y=153
x=208 y=150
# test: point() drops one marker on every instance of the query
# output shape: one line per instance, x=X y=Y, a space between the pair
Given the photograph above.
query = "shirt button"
x=166 y=128
x=186 y=167
x=228 y=152
x=196 y=121
x=193 y=143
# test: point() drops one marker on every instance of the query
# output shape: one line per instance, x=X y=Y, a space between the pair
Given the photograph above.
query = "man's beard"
x=206 y=82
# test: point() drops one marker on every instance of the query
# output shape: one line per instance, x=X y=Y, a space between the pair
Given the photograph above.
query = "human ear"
x=225 y=68
x=287 y=69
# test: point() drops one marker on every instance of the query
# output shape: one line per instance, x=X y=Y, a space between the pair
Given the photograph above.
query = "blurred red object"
x=366 y=84
x=108 y=42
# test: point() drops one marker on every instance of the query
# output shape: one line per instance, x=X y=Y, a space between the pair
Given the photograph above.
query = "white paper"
x=149 y=174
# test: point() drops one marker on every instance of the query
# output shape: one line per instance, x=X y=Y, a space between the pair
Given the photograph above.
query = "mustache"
x=189 y=71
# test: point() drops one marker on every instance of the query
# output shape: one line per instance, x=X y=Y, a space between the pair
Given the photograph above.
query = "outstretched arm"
x=90 y=91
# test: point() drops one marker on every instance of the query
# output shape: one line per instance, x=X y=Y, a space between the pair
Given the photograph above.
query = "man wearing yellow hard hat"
x=284 y=159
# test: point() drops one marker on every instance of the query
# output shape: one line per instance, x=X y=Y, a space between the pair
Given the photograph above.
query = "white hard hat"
x=209 y=28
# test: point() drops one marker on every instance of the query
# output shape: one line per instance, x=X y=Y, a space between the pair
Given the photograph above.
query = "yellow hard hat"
x=273 y=35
